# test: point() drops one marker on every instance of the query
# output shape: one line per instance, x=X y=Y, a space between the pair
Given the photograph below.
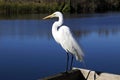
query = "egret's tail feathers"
x=79 y=54
x=79 y=57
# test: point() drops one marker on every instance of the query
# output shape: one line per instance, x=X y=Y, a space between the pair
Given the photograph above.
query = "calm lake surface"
x=28 y=50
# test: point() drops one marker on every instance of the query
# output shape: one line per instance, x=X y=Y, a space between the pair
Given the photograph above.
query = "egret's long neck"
x=55 y=28
x=58 y=23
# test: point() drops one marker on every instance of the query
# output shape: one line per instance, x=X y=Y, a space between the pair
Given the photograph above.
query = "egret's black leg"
x=71 y=62
x=67 y=62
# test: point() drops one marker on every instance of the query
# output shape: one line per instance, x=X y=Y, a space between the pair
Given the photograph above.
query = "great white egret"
x=64 y=37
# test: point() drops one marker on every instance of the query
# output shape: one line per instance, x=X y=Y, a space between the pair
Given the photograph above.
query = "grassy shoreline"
x=70 y=6
x=23 y=8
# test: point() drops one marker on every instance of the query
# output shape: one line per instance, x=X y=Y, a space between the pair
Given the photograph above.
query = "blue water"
x=28 y=50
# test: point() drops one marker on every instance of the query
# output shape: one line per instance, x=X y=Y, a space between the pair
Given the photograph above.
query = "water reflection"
x=39 y=28
x=24 y=28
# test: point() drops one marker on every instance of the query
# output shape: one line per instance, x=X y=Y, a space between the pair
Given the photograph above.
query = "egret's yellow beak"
x=48 y=17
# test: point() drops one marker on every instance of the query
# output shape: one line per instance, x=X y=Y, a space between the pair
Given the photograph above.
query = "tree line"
x=66 y=6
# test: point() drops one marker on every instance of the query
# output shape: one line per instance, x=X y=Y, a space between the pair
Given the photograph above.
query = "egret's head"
x=55 y=14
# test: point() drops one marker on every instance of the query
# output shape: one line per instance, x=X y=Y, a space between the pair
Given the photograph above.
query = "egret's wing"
x=68 y=42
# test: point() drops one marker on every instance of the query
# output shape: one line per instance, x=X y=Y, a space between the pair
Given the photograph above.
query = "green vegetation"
x=92 y=6
x=21 y=7
x=66 y=6
x=31 y=7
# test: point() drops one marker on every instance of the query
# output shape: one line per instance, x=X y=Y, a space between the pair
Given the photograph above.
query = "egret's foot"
x=66 y=72
x=71 y=68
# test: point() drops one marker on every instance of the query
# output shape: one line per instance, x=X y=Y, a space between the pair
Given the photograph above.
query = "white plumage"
x=64 y=37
